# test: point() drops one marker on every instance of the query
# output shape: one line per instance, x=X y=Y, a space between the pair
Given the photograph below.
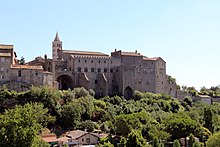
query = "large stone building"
x=119 y=74
x=17 y=76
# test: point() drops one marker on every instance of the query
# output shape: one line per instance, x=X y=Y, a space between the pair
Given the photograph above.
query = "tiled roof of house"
x=84 y=53
x=50 y=138
x=75 y=134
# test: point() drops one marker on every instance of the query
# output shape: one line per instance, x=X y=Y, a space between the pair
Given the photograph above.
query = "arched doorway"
x=65 y=82
x=128 y=93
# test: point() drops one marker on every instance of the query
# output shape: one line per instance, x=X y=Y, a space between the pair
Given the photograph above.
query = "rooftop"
x=75 y=134
x=130 y=54
x=50 y=138
x=26 y=67
x=87 y=53
x=4 y=46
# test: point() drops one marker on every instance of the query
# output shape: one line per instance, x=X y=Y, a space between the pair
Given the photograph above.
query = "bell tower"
x=57 y=48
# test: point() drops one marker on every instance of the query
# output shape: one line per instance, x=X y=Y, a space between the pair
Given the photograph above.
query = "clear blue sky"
x=185 y=33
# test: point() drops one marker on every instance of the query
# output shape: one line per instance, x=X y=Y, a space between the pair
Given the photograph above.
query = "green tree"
x=70 y=115
x=196 y=144
x=180 y=125
x=191 y=140
x=123 y=142
x=214 y=140
x=157 y=143
x=88 y=125
x=176 y=143
x=124 y=123
x=20 y=126
x=135 y=139
x=208 y=119
x=22 y=60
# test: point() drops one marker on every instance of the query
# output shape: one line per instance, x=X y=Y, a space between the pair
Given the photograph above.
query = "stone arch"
x=128 y=93
x=64 y=82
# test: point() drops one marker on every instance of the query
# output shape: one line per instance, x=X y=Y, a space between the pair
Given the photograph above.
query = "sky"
x=185 y=33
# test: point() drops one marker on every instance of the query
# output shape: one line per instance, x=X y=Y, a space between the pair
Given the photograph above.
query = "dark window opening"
x=79 y=69
x=86 y=70
x=19 y=73
x=99 y=70
x=105 y=70
x=92 y=70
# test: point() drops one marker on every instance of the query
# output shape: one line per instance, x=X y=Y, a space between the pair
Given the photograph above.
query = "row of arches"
x=66 y=82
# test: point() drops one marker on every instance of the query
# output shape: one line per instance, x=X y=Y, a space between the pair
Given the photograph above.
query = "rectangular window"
x=2 y=59
x=105 y=70
x=92 y=69
x=99 y=70
x=36 y=73
x=2 y=77
x=86 y=70
x=79 y=69
x=19 y=73
x=111 y=70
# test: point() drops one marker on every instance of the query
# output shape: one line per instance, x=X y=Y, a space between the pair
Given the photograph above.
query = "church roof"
x=84 y=53
x=57 y=38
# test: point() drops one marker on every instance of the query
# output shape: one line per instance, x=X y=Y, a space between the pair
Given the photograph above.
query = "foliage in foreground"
x=20 y=126
x=146 y=118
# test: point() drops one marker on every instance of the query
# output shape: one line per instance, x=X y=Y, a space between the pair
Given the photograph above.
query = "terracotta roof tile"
x=50 y=138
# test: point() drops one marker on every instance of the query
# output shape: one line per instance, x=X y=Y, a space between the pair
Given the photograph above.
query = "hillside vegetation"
x=147 y=119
